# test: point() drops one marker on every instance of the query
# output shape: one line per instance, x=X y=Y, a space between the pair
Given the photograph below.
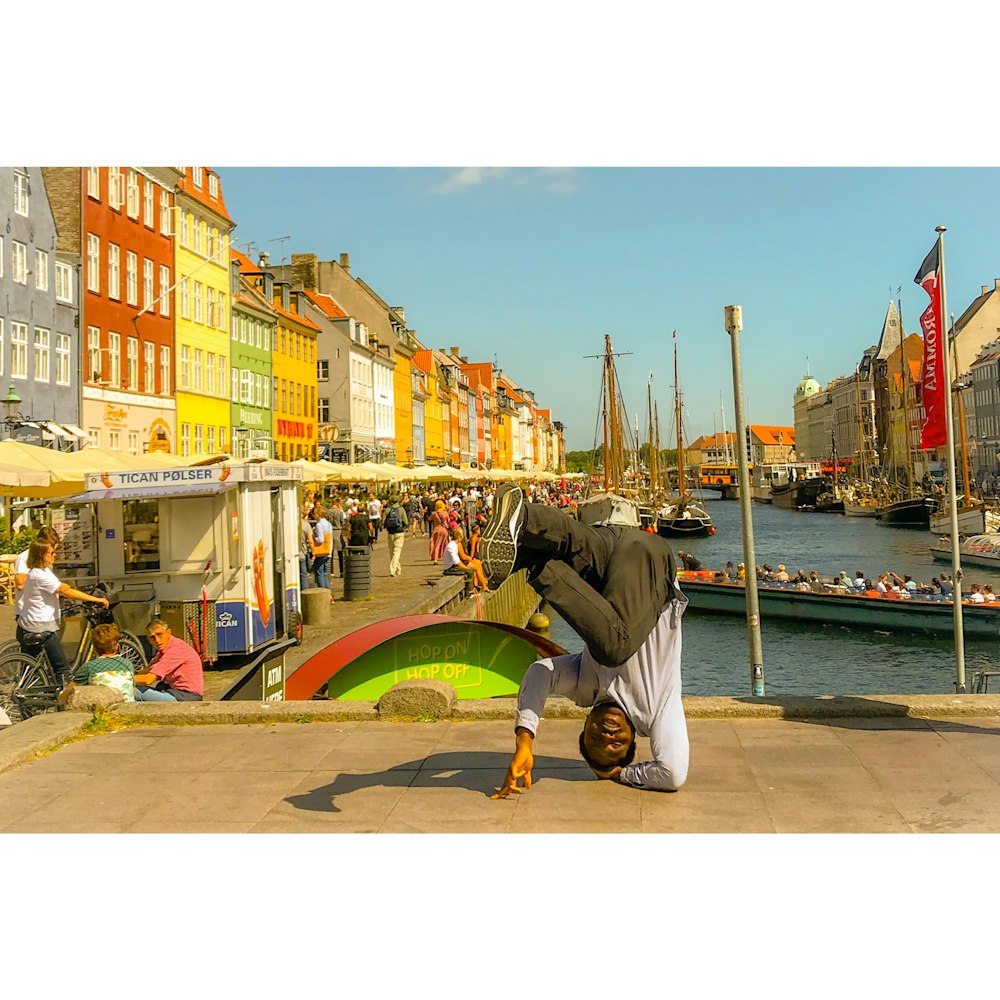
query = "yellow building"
x=433 y=411
x=202 y=229
x=402 y=391
x=294 y=378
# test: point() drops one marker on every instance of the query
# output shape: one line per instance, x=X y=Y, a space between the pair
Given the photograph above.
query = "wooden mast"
x=680 y=437
x=615 y=432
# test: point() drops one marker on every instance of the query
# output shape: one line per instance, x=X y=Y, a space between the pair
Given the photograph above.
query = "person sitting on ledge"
x=174 y=673
x=617 y=588
x=107 y=668
x=458 y=562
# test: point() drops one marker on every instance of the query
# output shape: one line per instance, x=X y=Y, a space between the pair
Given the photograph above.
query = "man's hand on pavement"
x=520 y=766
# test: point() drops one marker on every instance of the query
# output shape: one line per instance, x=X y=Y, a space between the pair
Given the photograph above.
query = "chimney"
x=264 y=258
x=453 y=352
x=400 y=312
x=985 y=289
x=345 y=262
x=464 y=361
x=996 y=284
x=304 y=268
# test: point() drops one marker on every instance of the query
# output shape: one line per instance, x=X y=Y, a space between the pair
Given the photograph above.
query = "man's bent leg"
x=151 y=694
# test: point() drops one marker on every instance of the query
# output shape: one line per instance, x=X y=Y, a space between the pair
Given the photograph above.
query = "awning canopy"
x=154 y=493
x=74 y=430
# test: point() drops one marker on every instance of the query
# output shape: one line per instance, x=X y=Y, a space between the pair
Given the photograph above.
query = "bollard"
x=315 y=606
x=357 y=573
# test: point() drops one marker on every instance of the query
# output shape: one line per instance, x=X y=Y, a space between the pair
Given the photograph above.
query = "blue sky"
x=533 y=266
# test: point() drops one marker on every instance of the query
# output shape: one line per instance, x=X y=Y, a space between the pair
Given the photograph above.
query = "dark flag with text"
x=934 y=391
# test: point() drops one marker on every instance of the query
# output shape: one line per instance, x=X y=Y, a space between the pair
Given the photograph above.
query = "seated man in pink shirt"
x=174 y=673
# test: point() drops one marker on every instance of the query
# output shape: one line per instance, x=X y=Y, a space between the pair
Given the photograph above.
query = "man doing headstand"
x=617 y=588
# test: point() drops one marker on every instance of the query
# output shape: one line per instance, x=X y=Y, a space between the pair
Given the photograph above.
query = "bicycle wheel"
x=12 y=665
x=37 y=687
x=10 y=646
x=130 y=648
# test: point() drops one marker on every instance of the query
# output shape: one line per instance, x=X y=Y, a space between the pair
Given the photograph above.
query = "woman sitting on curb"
x=457 y=561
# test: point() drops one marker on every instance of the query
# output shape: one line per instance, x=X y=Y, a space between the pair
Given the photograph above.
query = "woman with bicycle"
x=39 y=616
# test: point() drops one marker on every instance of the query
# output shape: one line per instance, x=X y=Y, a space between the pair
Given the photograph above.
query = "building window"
x=236 y=385
x=243 y=329
x=93 y=263
x=64 y=282
x=266 y=387
x=1 y=256
x=196 y=177
x=210 y=372
x=1 y=345
x=63 y=353
x=185 y=301
x=284 y=396
x=165 y=227
x=94 y=437
x=185 y=367
x=133 y=195
x=133 y=442
x=222 y=376
x=19 y=262
x=210 y=306
x=19 y=350
x=198 y=370
x=149 y=367
x=147 y=202
x=94 y=353
x=246 y=386
x=20 y=192
x=197 y=301
x=116 y=188
x=164 y=290
x=222 y=439
x=199 y=439
x=42 y=342
x=210 y=236
x=131 y=278
x=323 y=371
x=114 y=440
x=184 y=228
x=115 y=359
x=147 y=283
x=199 y=235
x=213 y=186
x=42 y=270
x=210 y=436
x=185 y=439
x=164 y=371
x=324 y=410
x=94 y=182
x=114 y=271
x=222 y=312
x=132 y=372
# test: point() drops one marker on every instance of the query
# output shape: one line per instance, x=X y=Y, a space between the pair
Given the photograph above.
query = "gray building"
x=39 y=316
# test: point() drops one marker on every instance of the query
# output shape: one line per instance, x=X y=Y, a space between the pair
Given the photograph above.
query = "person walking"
x=439 y=531
x=305 y=549
x=337 y=517
x=396 y=520
x=415 y=513
x=374 y=508
x=322 y=548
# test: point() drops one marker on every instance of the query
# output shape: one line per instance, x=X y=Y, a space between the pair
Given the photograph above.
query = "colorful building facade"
x=294 y=377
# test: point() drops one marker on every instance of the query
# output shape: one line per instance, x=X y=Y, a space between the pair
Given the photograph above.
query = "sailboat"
x=859 y=496
x=617 y=503
x=682 y=515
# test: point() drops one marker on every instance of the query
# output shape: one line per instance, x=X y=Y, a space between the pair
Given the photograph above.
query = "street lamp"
x=11 y=407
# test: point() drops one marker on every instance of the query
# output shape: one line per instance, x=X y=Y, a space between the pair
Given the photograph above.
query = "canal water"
x=811 y=659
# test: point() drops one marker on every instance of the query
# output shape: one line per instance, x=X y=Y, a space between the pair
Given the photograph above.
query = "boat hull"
x=926 y=617
x=977 y=550
x=859 y=509
x=976 y=520
x=913 y=513
x=681 y=527
x=801 y=493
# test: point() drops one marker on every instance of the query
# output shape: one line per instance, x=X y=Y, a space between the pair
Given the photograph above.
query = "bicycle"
x=28 y=684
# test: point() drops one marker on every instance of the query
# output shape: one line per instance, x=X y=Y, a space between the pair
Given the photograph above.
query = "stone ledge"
x=24 y=739
x=248 y=712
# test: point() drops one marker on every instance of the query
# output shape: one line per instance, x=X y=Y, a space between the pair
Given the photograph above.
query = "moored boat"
x=798 y=493
x=913 y=512
x=974 y=518
x=922 y=615
x=976 y=550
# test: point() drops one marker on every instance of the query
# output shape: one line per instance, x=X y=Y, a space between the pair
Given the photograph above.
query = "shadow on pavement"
x=438 y=770
x=861 y=713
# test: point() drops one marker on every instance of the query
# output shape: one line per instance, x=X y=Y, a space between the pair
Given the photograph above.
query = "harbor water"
x=814 y=659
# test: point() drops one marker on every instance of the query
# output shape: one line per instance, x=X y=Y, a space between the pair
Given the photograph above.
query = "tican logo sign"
x=226 y=620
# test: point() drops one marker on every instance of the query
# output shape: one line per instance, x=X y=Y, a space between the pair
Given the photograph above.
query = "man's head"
x=608 y=739
x=105 y=639
x=159 y=634
x=319 y=511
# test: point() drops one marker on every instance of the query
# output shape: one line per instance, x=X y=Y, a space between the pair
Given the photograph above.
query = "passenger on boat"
x=741 y=571
x=782 y=575
x=689 y=561
x=988 y=594
x=947 y=585
x=815 y=583
x=881 y=586
x=843 y=580
x=731 y=570
x=976 y=595
x=617 y=588
x=860 y=580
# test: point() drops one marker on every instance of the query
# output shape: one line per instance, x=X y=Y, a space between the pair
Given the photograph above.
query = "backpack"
x=394 y=521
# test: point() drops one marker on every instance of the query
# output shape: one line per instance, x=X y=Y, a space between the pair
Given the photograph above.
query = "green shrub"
x=18 y=542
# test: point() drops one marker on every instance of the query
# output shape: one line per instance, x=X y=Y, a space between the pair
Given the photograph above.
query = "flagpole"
x=956 y=563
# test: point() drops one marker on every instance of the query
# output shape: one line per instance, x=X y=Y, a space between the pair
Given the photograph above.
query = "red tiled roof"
x=186 y=184
x=326 y=304
x=246 y=264
x=301 y=320
x=768 y=434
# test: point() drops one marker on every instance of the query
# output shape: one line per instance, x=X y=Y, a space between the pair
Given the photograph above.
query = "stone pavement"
x=748 y=775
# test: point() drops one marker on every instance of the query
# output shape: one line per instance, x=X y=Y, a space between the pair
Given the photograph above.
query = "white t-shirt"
x=976 y=597
x=20 y=569
x=40 y=602
x=450 y=555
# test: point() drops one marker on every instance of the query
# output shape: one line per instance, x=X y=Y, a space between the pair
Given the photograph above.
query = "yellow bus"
x=717 y=475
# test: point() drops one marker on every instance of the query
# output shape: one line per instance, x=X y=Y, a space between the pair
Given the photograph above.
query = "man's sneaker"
x=498 y=547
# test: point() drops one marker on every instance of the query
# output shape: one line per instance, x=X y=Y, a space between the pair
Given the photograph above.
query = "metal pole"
x=734 y=324
x=956 y=563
